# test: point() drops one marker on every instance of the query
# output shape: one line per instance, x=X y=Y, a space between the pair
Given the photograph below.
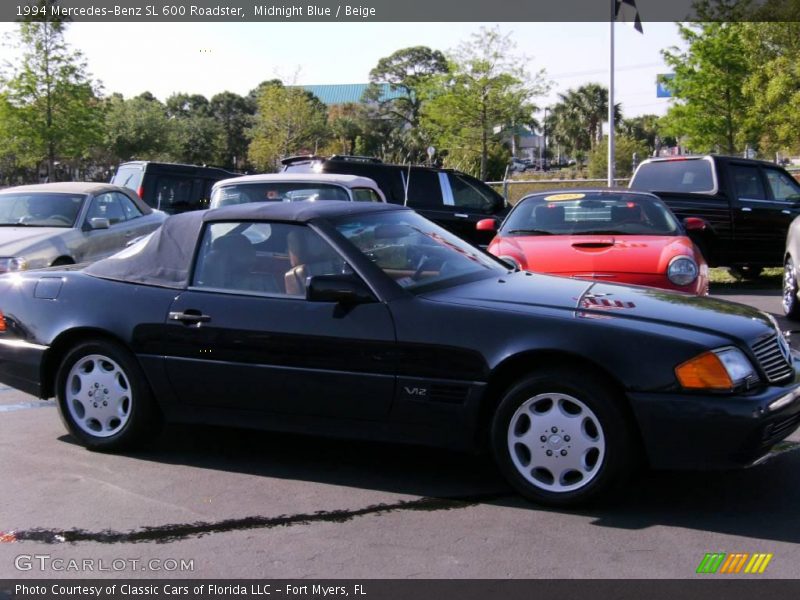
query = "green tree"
x=234 y=114
x=485 y=91
x=577 y=119
x=626 y=147
x=53 y=101
x=710 y=107
x=289 y=121
x=772 y=87
x=198 y=138
x=646 y=129
x=138 y=128
x=407 y=72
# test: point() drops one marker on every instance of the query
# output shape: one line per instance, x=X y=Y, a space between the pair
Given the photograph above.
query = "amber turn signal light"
x=704 y=372
x=2 y=321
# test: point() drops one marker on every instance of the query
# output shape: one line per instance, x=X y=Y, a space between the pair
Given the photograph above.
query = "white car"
x=294 y=187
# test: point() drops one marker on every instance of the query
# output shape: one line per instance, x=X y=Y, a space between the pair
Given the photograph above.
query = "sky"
x=208 y=58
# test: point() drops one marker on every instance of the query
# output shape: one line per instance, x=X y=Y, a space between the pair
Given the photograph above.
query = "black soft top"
x=165 y=260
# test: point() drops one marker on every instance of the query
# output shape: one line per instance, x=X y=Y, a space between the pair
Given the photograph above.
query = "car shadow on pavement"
x=759 y=502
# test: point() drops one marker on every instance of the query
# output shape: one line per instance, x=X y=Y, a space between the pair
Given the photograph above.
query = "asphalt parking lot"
x=211 y=502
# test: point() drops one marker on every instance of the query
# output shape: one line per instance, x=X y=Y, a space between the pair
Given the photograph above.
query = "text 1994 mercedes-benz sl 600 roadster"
x=366 y=320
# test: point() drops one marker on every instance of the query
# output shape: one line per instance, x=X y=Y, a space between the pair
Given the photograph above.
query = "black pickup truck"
x=747 y=205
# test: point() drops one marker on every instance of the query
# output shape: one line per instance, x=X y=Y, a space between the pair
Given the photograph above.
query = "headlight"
x=510 y=260
x=13 y=263
x=682 y=270
x=722 y=369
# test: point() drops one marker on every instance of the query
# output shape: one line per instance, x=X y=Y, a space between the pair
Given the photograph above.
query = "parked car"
x=748 y=205
x=613 y=235
x=791 y=272
x=64 y=223
x=520 y=165
x=170 y=187
x=452 y=199
x=367 y=320
x=293 y=187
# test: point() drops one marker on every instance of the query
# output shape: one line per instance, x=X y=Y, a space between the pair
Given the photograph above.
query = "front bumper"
x=689 y=431
x=20 y=365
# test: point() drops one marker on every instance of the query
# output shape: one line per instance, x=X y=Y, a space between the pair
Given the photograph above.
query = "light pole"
x=544 y=140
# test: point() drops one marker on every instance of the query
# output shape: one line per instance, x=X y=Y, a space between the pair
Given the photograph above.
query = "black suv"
x=170 y=187
x=450 y=198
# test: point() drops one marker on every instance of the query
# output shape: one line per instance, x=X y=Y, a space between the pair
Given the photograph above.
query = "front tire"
x=561 y=439
x=790 y=303
x=104 y=399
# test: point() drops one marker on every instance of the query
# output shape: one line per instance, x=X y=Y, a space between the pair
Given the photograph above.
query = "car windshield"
x=587 y=213
x=415 y=252
x=39 y=209
x=276 y=192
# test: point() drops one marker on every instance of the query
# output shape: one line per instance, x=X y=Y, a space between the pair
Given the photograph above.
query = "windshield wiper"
x=532 y=231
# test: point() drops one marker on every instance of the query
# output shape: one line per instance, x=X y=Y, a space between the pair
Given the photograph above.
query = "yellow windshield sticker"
x=559 y=197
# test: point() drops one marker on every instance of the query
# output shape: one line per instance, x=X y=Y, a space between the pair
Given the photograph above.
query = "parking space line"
x=26 y=405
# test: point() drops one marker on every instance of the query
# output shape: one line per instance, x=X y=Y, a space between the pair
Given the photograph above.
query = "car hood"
x=534 y=293
x=597 y=253
x=14 y=240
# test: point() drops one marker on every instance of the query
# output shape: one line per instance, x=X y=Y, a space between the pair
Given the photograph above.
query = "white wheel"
x=103 y=397
x=791 y=305
x=556 y=442
x=562 y=437
x=98 y=395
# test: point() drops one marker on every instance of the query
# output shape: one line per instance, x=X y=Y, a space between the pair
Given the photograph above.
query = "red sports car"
x=612 y=235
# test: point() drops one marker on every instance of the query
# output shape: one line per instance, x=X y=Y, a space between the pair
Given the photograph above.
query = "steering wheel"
x=424 y=261
x=60 y=219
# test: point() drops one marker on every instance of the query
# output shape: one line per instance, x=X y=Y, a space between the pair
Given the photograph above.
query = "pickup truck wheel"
x=745 y=271
x=561 y=439
x=791 y=305
x=103 y=397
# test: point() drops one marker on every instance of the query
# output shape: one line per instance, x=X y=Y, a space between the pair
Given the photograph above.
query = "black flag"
x=628 y=13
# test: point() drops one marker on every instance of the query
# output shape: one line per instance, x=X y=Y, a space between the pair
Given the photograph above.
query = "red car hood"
x=575 y=254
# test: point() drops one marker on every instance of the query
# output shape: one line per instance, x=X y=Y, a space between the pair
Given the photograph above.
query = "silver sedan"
x=63 y=223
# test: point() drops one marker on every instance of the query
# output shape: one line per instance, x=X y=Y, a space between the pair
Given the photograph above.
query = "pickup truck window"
x=693 y=175
x=747 y=182
x=783 y=187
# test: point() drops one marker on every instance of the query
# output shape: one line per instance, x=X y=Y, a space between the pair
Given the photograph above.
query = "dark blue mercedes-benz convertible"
x=369 y=321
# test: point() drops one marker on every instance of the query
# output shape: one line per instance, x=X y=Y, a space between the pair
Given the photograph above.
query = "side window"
x=783 y=186
x=365 y=195
x=173 y=192
x=106 y=206
x=267 y=258
x=747 y=182
x=424 y=190
x=129 y=209
x=468 y=195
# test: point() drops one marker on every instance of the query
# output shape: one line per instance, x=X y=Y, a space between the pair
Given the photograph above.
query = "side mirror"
x=343 y=289
x=486 y=225
x=695 y=224
x=99 y=223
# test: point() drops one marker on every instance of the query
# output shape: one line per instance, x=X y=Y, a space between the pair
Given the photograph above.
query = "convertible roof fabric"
x=165 y=260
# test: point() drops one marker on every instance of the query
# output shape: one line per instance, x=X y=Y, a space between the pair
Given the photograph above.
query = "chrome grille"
x=772 y=360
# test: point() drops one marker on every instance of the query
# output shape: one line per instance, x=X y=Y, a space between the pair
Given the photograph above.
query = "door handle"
x=747 y=209
x=786 y=212
x=189 y=318
x=462 y=216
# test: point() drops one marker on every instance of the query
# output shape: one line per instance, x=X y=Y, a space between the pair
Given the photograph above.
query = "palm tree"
x=577 y=120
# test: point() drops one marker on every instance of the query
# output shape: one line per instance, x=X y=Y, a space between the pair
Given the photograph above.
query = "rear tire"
x=790 y=303
x=561 y=438
x=104 y=399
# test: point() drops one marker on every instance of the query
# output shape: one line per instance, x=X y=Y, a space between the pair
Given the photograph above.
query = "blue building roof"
x=349 y=92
